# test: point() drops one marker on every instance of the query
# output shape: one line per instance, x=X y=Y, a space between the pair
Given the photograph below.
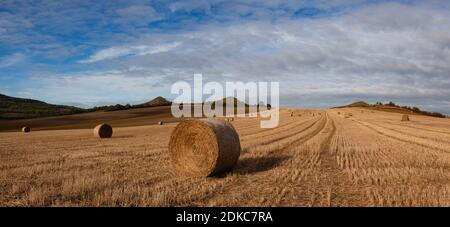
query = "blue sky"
x=324 y=53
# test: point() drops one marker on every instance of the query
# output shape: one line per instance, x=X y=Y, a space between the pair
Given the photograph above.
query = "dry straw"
x=26 y=129
x=405 y=117
x=103 y=131
x=230 y=119
x=204 y=147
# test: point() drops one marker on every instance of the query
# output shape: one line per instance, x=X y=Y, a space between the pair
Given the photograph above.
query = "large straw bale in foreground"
x=103 y=131
x=204 y=147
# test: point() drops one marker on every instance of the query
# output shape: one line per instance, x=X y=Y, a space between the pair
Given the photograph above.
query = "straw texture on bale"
x=26 y=129
x=103 y=131
x=204 y=147
x=405 y=117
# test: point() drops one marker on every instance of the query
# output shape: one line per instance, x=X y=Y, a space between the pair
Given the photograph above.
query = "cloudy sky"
x=323 y=53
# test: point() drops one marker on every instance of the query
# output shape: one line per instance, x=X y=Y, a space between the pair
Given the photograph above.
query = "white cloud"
x=122 y=51
x=373 y=52
x=12 y=60
x=140 y=14
x=380 y=50
x=93 y=88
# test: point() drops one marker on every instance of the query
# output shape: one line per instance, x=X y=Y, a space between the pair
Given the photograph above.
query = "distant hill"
x=20 y=108
x=359 y=104
x=392 y=107
x=158 y=101
x=229 y=100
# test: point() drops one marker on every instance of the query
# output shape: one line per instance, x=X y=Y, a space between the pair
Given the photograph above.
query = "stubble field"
x=315 y=158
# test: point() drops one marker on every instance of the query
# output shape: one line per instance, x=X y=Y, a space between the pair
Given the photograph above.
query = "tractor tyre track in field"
x=390 y=136
x=415 y=127
x=307 y=137
x=335 y=187
x=410 y=134
x=286 y=126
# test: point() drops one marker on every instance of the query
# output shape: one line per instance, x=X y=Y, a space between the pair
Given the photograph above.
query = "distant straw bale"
x=405 y=117
x=103 y=131
x=26 y=129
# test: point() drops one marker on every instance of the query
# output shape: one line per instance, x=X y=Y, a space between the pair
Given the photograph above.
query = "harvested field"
x=317 y=158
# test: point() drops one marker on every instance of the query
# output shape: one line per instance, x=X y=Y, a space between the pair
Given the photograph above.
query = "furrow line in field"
x=284 y=127
x=420 y=128
x=396 y=137
x=291 y=136
x=410 y=134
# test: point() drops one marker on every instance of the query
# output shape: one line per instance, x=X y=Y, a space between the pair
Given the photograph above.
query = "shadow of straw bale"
x=258 y=164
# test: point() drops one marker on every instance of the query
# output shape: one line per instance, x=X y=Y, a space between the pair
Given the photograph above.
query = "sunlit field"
x=313 y=158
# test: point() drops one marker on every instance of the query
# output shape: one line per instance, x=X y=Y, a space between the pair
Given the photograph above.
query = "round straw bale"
x=405 y=117
x=26 y=129
x=204 y=147
x=103 y=131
